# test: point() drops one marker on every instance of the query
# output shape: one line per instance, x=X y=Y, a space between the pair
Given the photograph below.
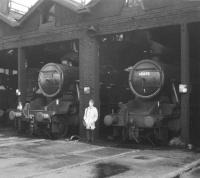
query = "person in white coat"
x=90 y=118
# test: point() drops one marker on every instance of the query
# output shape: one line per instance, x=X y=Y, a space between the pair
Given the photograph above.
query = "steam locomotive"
x=53 y=110
x=8 y=85
x=155 y=104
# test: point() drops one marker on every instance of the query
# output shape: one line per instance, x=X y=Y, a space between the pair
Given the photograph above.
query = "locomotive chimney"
x=4 y=6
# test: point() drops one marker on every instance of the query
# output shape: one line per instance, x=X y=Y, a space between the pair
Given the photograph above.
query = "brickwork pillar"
x=89 y=76
x=22 y=76
x=185 y=79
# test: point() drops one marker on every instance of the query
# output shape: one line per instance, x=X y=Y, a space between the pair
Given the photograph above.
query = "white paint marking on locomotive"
x=144 y=74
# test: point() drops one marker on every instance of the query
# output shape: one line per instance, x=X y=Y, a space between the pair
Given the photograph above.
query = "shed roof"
x=8 y=20
x=70 y=4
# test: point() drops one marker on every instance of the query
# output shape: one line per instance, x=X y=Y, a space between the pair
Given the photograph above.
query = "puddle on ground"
x=104 y=170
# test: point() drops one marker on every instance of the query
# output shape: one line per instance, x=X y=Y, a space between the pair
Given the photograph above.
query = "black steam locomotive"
x=53 y=110
x=155 y=104
x=8 y=85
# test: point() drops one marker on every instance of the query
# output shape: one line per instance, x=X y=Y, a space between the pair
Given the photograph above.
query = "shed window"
x=48 y=15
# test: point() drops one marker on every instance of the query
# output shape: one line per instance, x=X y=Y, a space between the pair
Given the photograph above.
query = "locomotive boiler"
x=155 y=104
x=53 y=110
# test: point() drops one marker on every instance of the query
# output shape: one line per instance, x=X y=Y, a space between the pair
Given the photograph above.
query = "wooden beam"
x=89 y=75
x=185 y=79
x=22 y=77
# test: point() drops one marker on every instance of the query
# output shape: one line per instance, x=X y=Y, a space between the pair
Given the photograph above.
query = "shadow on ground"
x=104 y=170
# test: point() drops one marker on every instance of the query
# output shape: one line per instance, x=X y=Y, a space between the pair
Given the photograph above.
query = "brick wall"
x=89 y=74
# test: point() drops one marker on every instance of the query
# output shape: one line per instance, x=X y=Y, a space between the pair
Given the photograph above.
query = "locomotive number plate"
x=144 y=74
x=148 y=73
x=48 y=74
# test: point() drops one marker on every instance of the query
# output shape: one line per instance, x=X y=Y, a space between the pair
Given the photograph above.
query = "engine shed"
x=102 y=35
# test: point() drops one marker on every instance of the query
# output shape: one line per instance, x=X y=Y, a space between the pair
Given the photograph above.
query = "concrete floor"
x=193 y=173
x=39 y=158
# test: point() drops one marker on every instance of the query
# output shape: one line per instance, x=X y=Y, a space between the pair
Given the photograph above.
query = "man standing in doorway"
x=90 y=118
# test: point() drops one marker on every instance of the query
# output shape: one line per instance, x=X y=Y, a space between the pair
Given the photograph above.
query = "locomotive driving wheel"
x=59 y=127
